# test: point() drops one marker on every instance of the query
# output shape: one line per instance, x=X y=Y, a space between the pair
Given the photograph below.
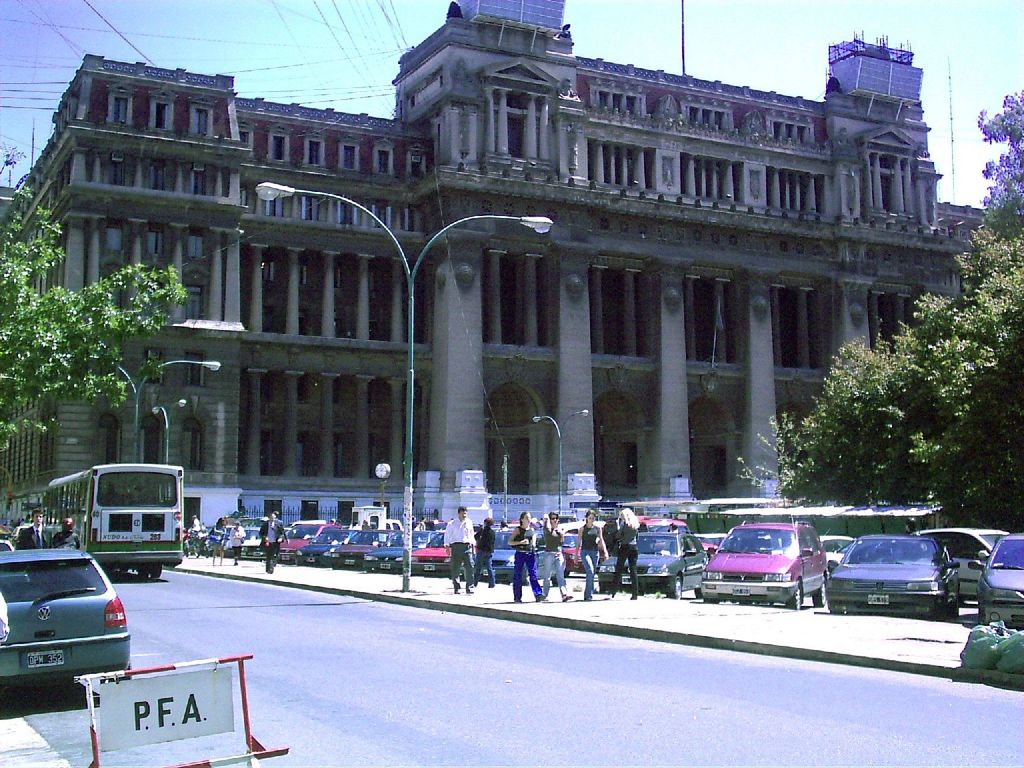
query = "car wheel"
x=818 y=597
x=797 y=601
x=698 y=593
x=675 y=588
x=710 y=600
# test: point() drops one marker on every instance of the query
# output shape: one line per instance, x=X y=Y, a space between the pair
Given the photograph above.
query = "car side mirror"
x=983 y=555
x=975 y=565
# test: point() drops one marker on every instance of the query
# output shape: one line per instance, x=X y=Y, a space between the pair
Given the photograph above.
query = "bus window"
x=120 y=522
x=154 y=522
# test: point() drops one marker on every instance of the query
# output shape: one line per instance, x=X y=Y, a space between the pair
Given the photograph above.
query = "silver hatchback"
x=64 y=615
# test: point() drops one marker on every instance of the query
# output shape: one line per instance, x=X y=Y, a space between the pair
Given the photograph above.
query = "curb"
x=953 y=674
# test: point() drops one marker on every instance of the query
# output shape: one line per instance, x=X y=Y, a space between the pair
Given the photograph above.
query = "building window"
x=313 y=152
x=382 y=210
x=417 y=165
x=195 y=375
x=194 y=302
x=113 y=239
x=273 y=207
x=110 y=439
x=192 y=444
x=349 y=157
x=310 y=208
x=119 y=109
x=162 y=111
x=244 y=136
x=200 y=121
x=157 y=174
x=115 y=173
x=346 y=214
x=195 y=245
x=155 y=242
x=268 y=271
x=278 y=147
x=197 y=181
x=383 y=161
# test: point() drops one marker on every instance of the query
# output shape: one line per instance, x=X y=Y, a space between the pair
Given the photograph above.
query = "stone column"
x=599 y=159
x=489 y=123
x=758 y=437
x=641 y=171
x=503 y=122
x=896 y=188
x=292 y=307
x=291 y=420
x=136 y=227
x=79 y=166
x=623 y=166
x=908 y=188
x=95 y=253
x=180 y=232
x=474 y=136
x=922 y=210
x=812 y=195
x=327 y=381
x=714 y=164
x=690 y=180
x=575 y=375
x=494 y=295
x=672 y=429
x=530 y=290
x=363 y=298
x=728 y=189
x=773 y=188
x=876 y=182
x=327 y=329
x=530 y=129
x=215 y=306
x=454 y=115
x=629 y=312
x=74 y=259
x=255 y=417
x=596 y=310
x=545 y=129
x=256 y=289
x=233 y=279
x=397 y=283
x=798 y=203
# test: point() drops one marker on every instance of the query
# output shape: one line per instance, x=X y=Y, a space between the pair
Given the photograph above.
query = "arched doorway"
x=618 y=456
x=712 y=452
x=507 y=433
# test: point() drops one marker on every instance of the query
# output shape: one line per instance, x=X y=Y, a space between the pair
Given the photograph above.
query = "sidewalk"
x=903 y=645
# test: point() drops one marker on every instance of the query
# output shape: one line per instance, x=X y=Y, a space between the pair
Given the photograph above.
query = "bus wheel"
x=151 y=572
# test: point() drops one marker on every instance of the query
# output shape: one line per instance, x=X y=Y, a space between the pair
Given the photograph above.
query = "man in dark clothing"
x=33 y=536
x=484 y=552
x=271 y=535
x=67 y=537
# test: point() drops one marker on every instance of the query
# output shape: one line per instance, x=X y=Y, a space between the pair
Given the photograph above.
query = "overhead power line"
x=118 y=33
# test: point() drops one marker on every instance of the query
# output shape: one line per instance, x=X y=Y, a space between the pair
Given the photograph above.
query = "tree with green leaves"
x=61 y=344
x=938 y=415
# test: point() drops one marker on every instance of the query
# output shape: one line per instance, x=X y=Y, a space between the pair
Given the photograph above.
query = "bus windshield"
x=137 y=489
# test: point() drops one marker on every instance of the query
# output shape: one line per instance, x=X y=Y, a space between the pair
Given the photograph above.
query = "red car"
x=299 y=535
x=433 y=559
x=360 y=544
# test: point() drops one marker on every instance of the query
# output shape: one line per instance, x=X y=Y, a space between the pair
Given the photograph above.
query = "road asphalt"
x=916 y=646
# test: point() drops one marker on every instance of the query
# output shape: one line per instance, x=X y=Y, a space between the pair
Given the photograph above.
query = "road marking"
x=23 y=746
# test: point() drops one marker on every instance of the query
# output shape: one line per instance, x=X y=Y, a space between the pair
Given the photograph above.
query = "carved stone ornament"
x=464 y=274
x=574 y=286
x=856 y=311
x=672 y=297
x=759 y=303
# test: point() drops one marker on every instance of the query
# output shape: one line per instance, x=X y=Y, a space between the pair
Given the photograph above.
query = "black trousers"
x=626 y=555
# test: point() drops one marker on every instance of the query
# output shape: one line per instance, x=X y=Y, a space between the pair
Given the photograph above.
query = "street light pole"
x=270 y=191
x=211 y=365
x=558 y=432
x=167 y=427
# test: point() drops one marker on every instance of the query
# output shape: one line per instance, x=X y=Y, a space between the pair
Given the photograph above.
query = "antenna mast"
x=952 y=154
x=682 y=32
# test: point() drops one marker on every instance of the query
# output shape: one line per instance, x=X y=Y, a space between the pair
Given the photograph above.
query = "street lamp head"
x=539 y=224
x=156 y=409
x=268 y=190
x=584 y=412
x=182 y=402
x=538 y=419
x=212 y=365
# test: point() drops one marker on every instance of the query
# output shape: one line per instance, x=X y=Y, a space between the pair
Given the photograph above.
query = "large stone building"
x=713 y=246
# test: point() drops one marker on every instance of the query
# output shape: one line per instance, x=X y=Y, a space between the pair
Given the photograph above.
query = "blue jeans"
x=483 y=561
x=591 y=558
x=552 y=568
x=527 y=560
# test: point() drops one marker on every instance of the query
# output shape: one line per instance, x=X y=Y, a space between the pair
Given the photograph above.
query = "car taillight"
x=113 y=615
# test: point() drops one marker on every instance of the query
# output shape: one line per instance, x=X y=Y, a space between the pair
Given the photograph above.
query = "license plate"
x=44 y=659
x=350 y=561
x=429 y=567
x=311 y=559
x=878 y=599
x=741 y=590
x=626 y=580
x=385 y=566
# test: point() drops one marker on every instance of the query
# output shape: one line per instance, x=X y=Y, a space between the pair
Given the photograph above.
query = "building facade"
x=712 y=248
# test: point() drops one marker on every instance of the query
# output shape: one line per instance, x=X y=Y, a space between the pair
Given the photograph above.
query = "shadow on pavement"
x=35 y=700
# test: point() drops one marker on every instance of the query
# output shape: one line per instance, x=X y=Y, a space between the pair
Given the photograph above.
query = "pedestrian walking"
x=524 y=541
x=458 y=540
x=552 y=564
x=67 y=537
x=592 y=551
x=627 y=551
x=217 y=539
x=271 y=535
x=236 y=535
x=33 y=536
x=485 y=552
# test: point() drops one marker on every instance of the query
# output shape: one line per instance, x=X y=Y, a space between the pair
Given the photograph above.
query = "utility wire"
x=118 y=33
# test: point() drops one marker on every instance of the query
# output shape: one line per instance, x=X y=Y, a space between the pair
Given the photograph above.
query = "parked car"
x=389 y=558
x=671 y=563
x=331 y=536
x=299 y=534
x=433 y=559
x=504 y=557
x=65 y=618
x=768 y=563
x=711 y=541
x=361 y=543
x=886 y=573
x=252 y=545
x=834 y=546
x=1001 y=582
x=650 y=524
x=965 y=545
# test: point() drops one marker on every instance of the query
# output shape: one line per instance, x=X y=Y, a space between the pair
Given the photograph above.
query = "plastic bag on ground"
x=982 y=649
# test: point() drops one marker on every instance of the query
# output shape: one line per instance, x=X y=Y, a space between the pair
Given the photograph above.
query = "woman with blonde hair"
x=628 y=529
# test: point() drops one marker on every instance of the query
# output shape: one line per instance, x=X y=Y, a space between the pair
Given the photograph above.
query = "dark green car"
x=671 y=563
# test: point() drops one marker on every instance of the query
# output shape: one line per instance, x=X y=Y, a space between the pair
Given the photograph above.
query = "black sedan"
x=895 y=574
x=667 y=562
x=313 y=552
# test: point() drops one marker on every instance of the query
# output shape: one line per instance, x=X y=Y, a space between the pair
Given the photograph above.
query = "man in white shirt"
x=458 y=540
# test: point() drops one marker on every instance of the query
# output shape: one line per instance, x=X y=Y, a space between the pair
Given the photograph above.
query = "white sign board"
x=149 y=709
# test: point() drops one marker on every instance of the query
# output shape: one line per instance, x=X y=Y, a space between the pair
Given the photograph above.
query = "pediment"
x=520 y=72
x=891 y=138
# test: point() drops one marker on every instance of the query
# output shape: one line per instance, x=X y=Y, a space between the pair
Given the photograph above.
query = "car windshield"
x=570 y=540
x=834 y=545
x=892 y=551
x=760 y=541
x=420 y=539
x=1009 y=554
x=331 y=536
x=436 y=540
x=23 y=582
x=991 y=538
x=365 y=538
x=303 y=530
x=663 y=546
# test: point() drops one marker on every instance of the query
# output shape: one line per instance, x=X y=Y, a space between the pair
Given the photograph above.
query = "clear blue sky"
x=344 y=53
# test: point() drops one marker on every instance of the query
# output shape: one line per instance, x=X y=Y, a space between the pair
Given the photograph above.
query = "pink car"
x=768 y=563
x=299 y=535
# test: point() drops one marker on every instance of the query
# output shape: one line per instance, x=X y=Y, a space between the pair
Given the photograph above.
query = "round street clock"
x=382 y=471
